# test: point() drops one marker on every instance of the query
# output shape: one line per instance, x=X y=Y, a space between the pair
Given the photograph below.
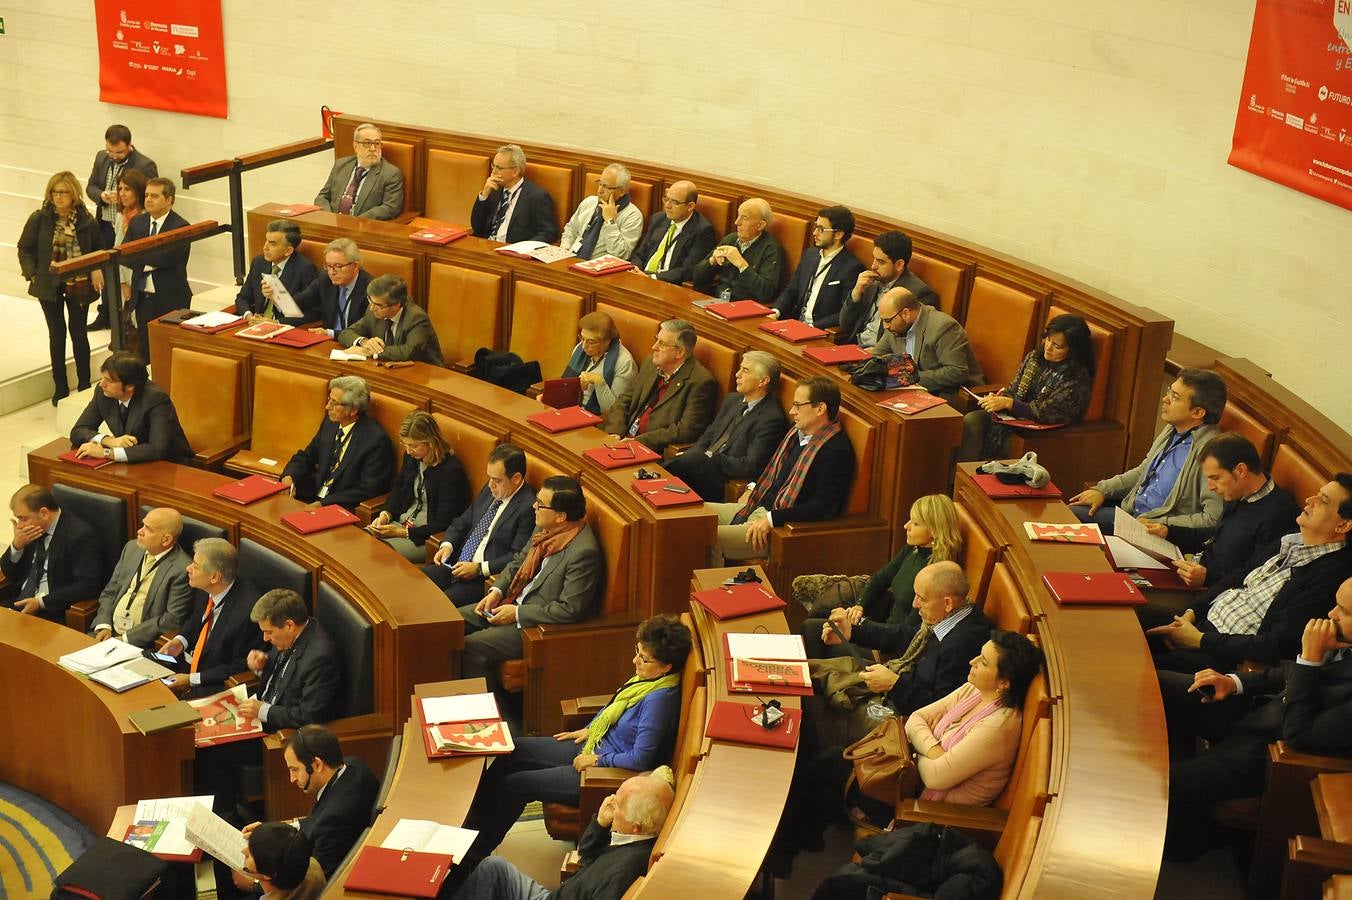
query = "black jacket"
x=836 y=283
x=748 y=449
x=513 y=530
x=533 y=217
x=942 y=667
x=35 y=248
x=607 y=871
x=694 y=242
x=296 y=277
x=98 y=175
x=826 y=488
x=74 y=567
x=855 y=314
x=1246 y=536
x=319 y=301
x=151 y=419
x=302 y=683
x=169 y=266
x=226 y=652
x=341 y=814
x=447 y=494
x=365 y=470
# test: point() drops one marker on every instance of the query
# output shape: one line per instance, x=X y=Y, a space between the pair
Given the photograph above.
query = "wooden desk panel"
x=68 y=740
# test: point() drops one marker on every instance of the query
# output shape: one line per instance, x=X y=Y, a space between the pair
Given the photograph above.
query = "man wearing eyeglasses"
x=511 y=207
x=364 y=184
x=607 y=223
x=677 y=237
x=392 y=328
x=826 y=274
x=337 y=298
x=934 y=341
x=671 y=401
x=280 y=260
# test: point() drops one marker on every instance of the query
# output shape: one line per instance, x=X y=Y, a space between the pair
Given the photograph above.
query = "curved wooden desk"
x=68 y=740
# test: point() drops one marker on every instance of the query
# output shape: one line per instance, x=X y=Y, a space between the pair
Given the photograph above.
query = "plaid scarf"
x=906 y=662
x=789 y=493
x=545 y=542
x=65 y=242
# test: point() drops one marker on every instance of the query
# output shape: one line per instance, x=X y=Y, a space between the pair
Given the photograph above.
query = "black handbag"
x=110 y=870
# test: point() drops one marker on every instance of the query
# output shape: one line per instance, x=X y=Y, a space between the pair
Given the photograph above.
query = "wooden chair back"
x=472 y=445
x=558 y=183
x=454 y=179
x=999 y=326
x=1293 y=472
x=1004 y=605
x=792 y=233
x=945 y=276
x=208 y=393
x=465 y=306
x=404 y=156
x=280 y=429
x=544 y=325
x=1260 y=434
x=979 y=554
x=1014 y=851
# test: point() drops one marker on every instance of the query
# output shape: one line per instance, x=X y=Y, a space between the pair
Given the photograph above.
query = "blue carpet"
x=37 y=840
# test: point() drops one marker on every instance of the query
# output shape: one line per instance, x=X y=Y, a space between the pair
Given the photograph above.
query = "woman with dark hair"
x=62 y=228
x=429 y=492
x=131 y=198
x=600 y=363
x=277 y=860
x=635 y=730
x=1052 y=387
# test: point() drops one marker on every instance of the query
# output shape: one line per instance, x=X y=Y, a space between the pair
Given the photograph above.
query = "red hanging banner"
x=1294 y=124
x=162 y=54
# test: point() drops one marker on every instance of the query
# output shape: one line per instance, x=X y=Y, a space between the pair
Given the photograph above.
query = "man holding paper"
x=278 y=265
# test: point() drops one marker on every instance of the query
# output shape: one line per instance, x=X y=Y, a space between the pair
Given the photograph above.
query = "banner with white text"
x=1294 y=124
x=162 y=54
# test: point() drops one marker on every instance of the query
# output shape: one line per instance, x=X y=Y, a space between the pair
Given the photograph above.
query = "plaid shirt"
x=1240 y=610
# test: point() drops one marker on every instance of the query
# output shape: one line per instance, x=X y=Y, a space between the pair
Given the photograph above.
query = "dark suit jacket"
x=753 y=440
x=694 y=242
x=447 y=494
x=836 y=283
x=533 y=217
x=943 y=356
x=942 y=667
x=98 y=176
x=35 y=249
x=151 y=418
x=826 y=487
x=296 y=277
x=381 y=195
x=567 y=588
x=415 y=341
x=607 y=870
x=760 y=281
x=513 y=530
x=684 y=412
x=319 y=301
x=168 y=602
x=855 y=314
x=365 y=471
x=228 y=643
x=74 y=567
x=341 y=814
x=1246 y=536
x=169 y=266
x=303 y=690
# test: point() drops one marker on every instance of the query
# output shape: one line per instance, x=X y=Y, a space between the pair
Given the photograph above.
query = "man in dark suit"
x=671 y=400
x=511 y=208
x=109 y=164
x=934 y=340
x=676 y=238
x=364 y=184
x=748 y=263
x=130 y=418
x=301 y=675
x=483 y=539
x=149 y=593
x=392 y=329
x=745 y=432
x=279 y=259
x=159 y=279
x=337 y=298
x=350 y=458
x=216 y=639
x=556 y=578
x=859 y=320
x=54 y=559
x=826 y=274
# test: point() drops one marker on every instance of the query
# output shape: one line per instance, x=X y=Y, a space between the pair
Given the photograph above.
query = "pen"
x=109 y=650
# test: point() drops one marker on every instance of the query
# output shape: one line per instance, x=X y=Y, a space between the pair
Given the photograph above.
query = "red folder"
x=299 y=337
x=740 y=723
x=1028 y=424
x=194 y=857
x=405 y=873
x=835 y=356
x=758 y=687
x=295 y=209
x=908 y=402
x=248 y=490
x=89 y=462
x=792 y=330
x=494 y=739
x=561 y=393
x=602 y=265
x=733 y=600
x=308 y=521
x=655 y=491
x=1114 y=588
x=439 y=235
x=738 y=309
x=566 y=419
x=626 y=453
x=997 y=489
x=215 y=329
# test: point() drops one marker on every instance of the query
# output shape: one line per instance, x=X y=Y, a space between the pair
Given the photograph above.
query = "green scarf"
x=634 y=690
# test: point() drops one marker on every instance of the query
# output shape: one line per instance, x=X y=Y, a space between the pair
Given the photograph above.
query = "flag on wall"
x=1294 y=124
x=162 y=54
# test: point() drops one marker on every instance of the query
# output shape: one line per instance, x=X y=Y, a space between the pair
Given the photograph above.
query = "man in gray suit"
x=149 y=592
x=943 y=357
x=392 y=328
x=554 y=579
x=364 y=184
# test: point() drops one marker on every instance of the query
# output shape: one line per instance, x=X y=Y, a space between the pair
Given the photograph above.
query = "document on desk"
x=282 y=298
x=1125 y=556
x=1130 y=529
x=765 y=646
x=424 y=836
x=99 y=656
x=215 y=319
x=345 y=356
x=172 y=840
x=215 y=835
x=130 y=674
x=459 y=708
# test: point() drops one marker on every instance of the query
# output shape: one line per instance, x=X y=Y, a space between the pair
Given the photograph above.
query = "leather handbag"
x=884 y=765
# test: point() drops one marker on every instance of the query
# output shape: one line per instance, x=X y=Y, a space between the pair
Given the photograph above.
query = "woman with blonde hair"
x=430 y=491
x=62 y=228
x=932 y=536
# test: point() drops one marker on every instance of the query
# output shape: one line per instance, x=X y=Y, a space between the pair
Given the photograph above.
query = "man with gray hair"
x=614 y=848
x=510 y=207
x=607 y=222
x=300 y=676
x=744 y=434
x=393 y=329
x=747 y=264
x=280 y=260
x=364 y=184
x=217 y=637
x=337 y=298
x=350 y=458
x=671 y=400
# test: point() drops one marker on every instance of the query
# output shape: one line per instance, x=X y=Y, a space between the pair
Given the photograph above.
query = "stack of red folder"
x=996 y=489
x=249 y=490
x=792 y=330
x=308 y=521
x=439 y=235
x=626 y=453
x=566 y=419
x=740 y=722
x=404 y=873
x=769 y=676
x=835 y=356
x=1111 y=588
x=730 y=601
x=663 y=492
x=299 y=337
x=738 y=309
x=602 y=265
x=90 y=462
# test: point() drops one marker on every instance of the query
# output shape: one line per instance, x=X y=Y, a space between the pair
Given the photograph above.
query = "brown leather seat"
x=979 y=554
x=406 y=155
x=1237 y=419
x=379 y=263
x=1004 y=604
x=558 y=182
x=1294 y=473
x=637 y=331
x=999 y=325
x=208 y=393
x=465 y=306
x=946 y=276
x=792 y=233
x=544 y=325
x=390 y=412
x=472 y=445
x=288 y=407
x=454 y=179
x=640 y=192
x=719 y=209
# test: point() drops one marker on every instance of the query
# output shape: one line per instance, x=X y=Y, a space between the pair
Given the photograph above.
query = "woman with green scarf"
x=635 y=730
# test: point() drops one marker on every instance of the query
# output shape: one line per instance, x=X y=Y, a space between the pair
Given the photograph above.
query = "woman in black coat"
x=62 y=228
x=430 y=491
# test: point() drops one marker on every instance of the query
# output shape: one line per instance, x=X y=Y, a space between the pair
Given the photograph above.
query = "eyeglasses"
x=797 y=404
x=642 y=657
x=591 y=341
x=886 y=319
x=369 y=145
x=665 y=346
x=608 y=187
x=338 y=267
x=498 y=168
x=538 y=505
x=668 y=201
x=816 y=228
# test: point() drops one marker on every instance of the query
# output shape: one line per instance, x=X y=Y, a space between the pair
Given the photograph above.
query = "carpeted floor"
x=37 y=840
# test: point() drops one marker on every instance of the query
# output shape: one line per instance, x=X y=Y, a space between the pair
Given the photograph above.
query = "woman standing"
x=430 y=491
x=131 y=198
x=62 y=229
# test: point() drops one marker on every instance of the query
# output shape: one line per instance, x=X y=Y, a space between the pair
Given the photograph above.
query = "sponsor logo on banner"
x=129 y=69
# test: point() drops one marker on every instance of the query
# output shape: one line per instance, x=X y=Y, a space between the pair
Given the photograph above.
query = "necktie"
x=341 y=321
x=591 y=235
x=334 y=455
x=353 y=186
x=121 y=419
x=477 y=534
x=812 y=288
x=500 y=215
x=202 y=636
x=723 y=439
x=655 y=261
x=389 y=332
x=154 y=228
x=35 y=573
x=268 y=309
x=274 y=685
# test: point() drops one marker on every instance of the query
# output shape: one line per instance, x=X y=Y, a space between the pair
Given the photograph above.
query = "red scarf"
x=797 y=475
x=545 y=542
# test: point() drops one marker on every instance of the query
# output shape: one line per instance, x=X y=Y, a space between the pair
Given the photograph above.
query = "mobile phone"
x=164 y=658
x=674 y=489
x=1208 y=691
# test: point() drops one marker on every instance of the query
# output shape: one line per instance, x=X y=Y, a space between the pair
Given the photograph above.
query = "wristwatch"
x=107 y=453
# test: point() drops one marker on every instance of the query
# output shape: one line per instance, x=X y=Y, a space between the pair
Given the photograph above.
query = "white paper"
x=215 y=836
x=430 y=837
x=548 y=254
x=460 y=708
x=344 y=356
x=767 y=646
x=282 y=297
x=524 y=247
x=1130 y=529
x=99 y=656
x=173 y=810
x=266 y=461
x=130 y=674
x=1125 y=556
x=215 y=318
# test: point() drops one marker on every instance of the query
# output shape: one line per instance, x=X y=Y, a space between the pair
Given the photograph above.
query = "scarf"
x=578 y=362
x=593 y=232
x=789 y=492
x=906 y=662
x=65 y=242
x=629 y=695
x=545 y=542
x=949 y=740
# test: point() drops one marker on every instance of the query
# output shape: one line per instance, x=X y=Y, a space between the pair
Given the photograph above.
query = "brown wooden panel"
x=544 y=325
x=465 y=306
x=454 y=180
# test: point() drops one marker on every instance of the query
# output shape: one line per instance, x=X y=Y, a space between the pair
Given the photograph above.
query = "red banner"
x=162 y=54
x=1294 y=124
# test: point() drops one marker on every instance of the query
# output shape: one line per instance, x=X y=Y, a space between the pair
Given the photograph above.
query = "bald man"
x=747 y=264
x=944 y=360
x=677 y=237
x=148 y=593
